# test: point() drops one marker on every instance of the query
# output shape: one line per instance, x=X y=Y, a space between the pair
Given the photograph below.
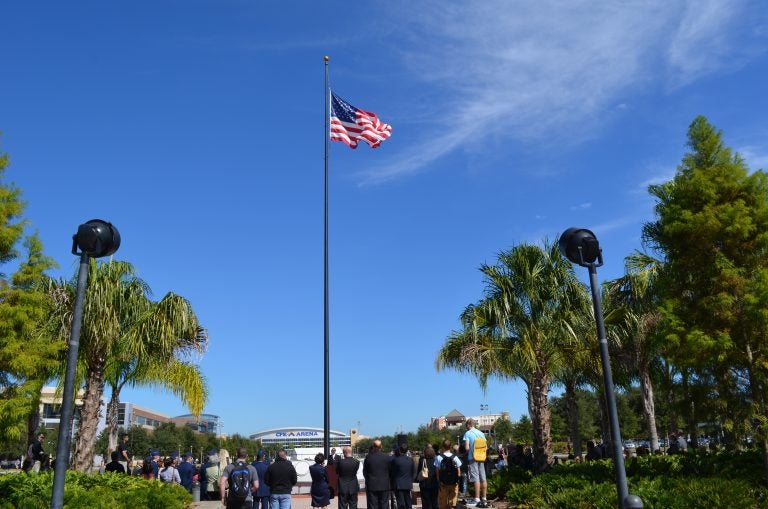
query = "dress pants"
x=403 y=499
x=347 y=500
x=378 y=499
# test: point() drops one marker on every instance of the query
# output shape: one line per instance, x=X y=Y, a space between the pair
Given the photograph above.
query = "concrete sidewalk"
x=304 y=501
x=297 y=502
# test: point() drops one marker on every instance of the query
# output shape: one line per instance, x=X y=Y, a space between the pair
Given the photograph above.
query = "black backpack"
x=448 y=470
x=240 y=481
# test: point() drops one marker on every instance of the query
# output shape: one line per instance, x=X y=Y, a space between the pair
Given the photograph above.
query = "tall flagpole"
x=326 y=364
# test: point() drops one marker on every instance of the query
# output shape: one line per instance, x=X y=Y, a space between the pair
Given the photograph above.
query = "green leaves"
x=710 y=227
x=89 y=491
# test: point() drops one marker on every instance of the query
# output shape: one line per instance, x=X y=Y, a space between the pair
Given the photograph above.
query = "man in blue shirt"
x=261 y=497
x=186 y=471
x=476 y=466
x=153 y=458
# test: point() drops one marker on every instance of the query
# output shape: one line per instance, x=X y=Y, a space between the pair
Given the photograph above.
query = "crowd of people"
x=442 y=471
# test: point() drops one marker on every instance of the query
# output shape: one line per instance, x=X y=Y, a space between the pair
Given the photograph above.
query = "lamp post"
x=581 y=247
x=95 y=239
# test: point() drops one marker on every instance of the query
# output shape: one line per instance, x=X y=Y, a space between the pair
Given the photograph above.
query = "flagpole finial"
x=326 y=58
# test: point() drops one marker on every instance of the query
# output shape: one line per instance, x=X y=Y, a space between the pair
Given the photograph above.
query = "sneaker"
x=473 y=502
x=481 y=505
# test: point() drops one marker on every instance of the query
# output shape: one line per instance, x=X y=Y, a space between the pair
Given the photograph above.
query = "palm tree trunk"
x=89 y=417
x=649 y=409
x=605 y=427
x=758 y=396
x=112 y=415
x=572 y=407
x=541 y=416
x=669 y=387
x=33 y=419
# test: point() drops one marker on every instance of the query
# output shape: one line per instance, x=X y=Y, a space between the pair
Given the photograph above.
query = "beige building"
x=130 y=414
x=454 y=418
x=50 y=407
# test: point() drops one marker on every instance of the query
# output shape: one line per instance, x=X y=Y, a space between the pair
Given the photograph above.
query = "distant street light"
x=95 y=239
x=581 y=247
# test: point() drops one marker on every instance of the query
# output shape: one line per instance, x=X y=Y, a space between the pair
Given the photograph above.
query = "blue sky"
x=196 y=127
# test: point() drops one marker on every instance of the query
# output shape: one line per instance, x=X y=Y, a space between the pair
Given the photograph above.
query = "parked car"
x=630 y=444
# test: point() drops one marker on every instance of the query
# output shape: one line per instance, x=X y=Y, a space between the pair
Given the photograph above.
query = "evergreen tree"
x=28 y=357
x=712 y=228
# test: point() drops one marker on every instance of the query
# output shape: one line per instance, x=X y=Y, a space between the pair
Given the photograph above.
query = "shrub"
x=501 y=480
x=686 y=481
x=22 y=491
x=564 y=492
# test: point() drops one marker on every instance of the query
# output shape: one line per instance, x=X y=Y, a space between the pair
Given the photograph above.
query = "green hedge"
x=91 y=491
x=563 y=492
x=687 y=481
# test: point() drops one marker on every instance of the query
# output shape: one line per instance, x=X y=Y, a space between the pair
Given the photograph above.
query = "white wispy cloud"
x=538 y=71
x=756 y=157
x=704 y=24
x=656 y=174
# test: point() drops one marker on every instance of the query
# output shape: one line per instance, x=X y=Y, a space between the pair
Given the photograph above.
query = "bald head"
x=347 y=450
x=377 y=444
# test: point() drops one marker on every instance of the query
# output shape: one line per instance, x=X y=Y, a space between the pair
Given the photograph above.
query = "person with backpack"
x=477 y=448
x=242 y=480
x=447 y=467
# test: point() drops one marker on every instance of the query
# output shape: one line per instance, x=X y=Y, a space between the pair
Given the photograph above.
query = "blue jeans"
x=280 y=501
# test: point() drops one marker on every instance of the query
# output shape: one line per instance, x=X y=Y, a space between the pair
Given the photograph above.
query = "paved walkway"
x=297 y=502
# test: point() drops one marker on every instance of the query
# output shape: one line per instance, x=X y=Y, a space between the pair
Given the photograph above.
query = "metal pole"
x=68 y=396
x=326 y=328
x=618 y=456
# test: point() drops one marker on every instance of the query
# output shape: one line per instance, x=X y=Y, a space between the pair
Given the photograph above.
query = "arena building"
x=302 y=442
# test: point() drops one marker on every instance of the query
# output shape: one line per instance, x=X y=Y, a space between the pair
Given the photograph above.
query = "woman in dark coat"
x=428 y=486
x=320 y=491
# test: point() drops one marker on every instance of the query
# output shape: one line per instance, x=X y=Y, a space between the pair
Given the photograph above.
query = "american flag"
x=350 y=124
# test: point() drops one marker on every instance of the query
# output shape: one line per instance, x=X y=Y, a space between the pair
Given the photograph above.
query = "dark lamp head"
x=96 y=238
x=580 y=246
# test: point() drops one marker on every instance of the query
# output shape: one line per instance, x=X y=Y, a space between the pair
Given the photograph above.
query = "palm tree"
x=140 y=359
x=582 y=364
x=122 y=325
x=519 y=328
x=633 y=317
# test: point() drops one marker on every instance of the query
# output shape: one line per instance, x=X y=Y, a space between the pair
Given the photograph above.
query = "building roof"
x=453 y=414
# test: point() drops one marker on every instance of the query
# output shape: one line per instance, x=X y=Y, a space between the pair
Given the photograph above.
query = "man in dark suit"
x=333 y=458
x=376 y=474
x=402 y=471
x=348 y=484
